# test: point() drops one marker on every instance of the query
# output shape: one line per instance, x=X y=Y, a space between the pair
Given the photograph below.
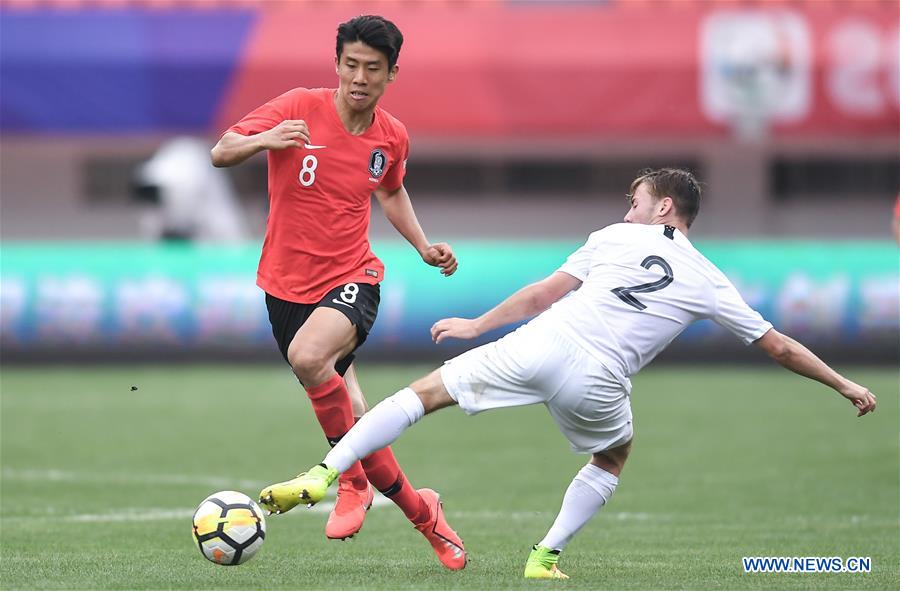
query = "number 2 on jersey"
x=624 y=293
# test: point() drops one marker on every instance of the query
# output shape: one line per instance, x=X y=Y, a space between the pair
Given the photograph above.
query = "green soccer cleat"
x=541 y=564
x=309 y=487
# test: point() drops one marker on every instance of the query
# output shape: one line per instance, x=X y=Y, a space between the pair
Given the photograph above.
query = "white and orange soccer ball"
x=229 y=527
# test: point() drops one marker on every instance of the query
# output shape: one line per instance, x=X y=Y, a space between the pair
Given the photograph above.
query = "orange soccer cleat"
x=446 y=543
x=349 y=510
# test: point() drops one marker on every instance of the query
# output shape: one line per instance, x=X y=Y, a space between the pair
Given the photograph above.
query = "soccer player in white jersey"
x=634 y=287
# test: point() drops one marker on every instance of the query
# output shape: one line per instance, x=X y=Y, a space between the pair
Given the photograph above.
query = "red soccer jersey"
x=317 y=233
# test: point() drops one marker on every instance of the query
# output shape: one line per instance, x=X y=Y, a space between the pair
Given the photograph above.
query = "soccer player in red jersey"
x=328 y=151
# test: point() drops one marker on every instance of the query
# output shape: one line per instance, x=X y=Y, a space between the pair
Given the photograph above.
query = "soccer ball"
x=229 y=527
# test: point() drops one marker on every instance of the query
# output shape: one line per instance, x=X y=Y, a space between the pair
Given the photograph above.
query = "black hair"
x=678 y=184
x=376 y=32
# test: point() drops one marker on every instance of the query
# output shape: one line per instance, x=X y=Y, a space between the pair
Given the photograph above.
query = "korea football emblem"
x=377 y=163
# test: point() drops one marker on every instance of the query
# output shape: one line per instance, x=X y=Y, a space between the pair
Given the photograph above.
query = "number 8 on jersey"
x=308 y=172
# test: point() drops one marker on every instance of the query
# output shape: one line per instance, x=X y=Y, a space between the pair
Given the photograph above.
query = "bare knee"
x=432 y=392
x=312 y=366
x=612 y=460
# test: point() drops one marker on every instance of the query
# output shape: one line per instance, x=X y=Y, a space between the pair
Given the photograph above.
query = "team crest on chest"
x=377 y=162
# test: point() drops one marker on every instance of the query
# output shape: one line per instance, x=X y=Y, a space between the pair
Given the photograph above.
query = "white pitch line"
x=629 y=516
x=151 y=514
x=54 y=475
x=220 y=482
x=529 y=515
x=226 y=483
x=489 y=515
x=154 y=514
x=132 y=515
x=129 y=516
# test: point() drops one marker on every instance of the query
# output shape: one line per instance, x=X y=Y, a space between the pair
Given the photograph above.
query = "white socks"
x=378 y=428
x=590 y=489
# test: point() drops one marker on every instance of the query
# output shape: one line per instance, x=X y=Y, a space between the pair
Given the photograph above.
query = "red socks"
x=384 y=472
x=331 y=403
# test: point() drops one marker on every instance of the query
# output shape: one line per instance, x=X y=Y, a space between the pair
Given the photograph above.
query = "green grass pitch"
x=99 y=481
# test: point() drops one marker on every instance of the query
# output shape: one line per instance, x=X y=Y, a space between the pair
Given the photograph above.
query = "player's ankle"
x=424 y=513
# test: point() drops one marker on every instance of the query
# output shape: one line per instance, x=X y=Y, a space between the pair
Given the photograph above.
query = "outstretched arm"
x=399 y=211
x=800 y=360
x=529 y=301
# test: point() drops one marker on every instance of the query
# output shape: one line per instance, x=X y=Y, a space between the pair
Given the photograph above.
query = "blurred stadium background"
x=528 y=120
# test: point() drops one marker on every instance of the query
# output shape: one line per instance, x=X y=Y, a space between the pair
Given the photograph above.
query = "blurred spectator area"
x=259 y=4
x=527 y=118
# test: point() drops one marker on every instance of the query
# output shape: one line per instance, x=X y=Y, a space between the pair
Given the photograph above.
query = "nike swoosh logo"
x=337 y=301
x=457 y=551
x=309 y=147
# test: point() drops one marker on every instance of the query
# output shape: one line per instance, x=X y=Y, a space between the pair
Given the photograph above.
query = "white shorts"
x=534 y=365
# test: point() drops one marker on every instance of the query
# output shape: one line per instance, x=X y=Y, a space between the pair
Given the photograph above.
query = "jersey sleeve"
x=733 y=313
x=578 y=265
x=397 y=171
x=267 y=116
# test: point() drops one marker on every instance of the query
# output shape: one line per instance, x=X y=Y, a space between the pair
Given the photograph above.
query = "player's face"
x=643 y=208
x=363 y=73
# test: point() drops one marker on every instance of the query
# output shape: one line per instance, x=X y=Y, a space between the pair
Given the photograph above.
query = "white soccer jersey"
x=643 y=285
